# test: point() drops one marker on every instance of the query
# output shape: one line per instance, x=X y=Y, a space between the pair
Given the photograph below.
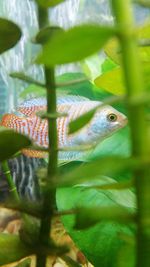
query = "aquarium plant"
x=103 y=201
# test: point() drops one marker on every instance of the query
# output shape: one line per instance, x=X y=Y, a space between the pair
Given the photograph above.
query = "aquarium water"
x=23 y=12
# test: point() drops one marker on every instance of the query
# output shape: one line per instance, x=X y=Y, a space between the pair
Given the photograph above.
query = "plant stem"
x=139 y=128
x=49 y=194
x=12 y=187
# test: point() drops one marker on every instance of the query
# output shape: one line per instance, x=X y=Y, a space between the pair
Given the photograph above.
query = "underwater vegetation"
x=79 y=147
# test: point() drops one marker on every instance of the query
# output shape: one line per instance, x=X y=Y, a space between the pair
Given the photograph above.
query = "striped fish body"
x=97 y=129
x=24 y=173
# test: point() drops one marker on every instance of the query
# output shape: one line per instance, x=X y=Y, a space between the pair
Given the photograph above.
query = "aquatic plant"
x=110 y=226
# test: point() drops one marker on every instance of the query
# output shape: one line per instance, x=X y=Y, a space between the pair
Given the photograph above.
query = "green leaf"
x=87 y=217
x=81 y=121
x=46 y=34
x=75 y=44
x=34 y=91
x=114 y=185
x=108 y=65
x=112 y=81
x=105 y=235
x=127 y=256
x=12 y=249
x=49 y=3
x=22 y=76
x=91 y=66
x=10 y=34
x=84 y=89
x=113 y=50
x=11 y=142
x=99 y=168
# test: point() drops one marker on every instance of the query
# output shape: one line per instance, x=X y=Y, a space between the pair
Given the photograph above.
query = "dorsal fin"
x=32 y=106
x=71 y=99
x=40 y=101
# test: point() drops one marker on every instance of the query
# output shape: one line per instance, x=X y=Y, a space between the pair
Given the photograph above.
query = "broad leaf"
x=75 y=44
x=81 y=121
x=12 y=249
x=108 y=65
x=10 y=34
x=11 y=142
x=84 y=89
x=127 y=256
x=67 y=83
x=112 y=81
x=49 y=3
x=100 y=243
x=99 y=168
x=87 y=217
x=113 y=50
x=45 y=34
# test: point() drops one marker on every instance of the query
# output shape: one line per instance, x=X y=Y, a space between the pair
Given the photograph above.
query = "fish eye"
x=112 y=117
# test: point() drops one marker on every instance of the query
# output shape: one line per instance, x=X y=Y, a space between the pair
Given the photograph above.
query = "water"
x=19 y=58
x=23 y=12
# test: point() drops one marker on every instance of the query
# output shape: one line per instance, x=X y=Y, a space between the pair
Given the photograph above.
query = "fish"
x=104 y=123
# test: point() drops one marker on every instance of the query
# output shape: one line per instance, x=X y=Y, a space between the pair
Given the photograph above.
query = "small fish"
x=106 y=121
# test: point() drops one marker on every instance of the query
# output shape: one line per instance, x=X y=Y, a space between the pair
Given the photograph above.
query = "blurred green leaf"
x=11 y=142
x=91 y=66
x=45 y=34
x=87 y=217
x=33 y=209
x=99 y=168
x=114 y=185
x=100 y=243
x=126 y=256
x=108 y=65
x=49 y=3
x=84 y=89
x=25 y=78
x=80 y=122
x=12 y=249
x=75 y=44
x=67 y=83
x=34 y=90
x=112 y=81
x=10 y=34
x=113 y=50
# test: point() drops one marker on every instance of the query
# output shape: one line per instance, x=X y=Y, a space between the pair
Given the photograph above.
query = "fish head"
x=106 y=121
